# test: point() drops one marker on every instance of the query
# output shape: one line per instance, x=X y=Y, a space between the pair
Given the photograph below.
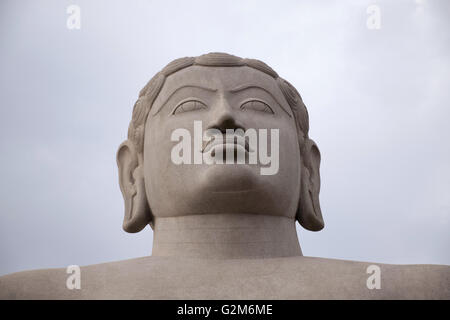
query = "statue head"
x=222 y=92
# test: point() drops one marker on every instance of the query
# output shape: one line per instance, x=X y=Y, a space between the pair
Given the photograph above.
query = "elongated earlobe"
x=309 y=214
x=131 y=180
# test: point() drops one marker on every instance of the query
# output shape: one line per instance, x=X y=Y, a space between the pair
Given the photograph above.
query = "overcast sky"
x=378 y=99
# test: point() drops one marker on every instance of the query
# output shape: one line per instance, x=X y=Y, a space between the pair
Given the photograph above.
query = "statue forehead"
x=218 y=78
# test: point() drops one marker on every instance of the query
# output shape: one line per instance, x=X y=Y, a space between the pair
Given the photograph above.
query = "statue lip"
x=227 y=142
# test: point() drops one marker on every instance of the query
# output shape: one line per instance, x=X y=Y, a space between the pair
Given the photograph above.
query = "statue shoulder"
x=372 y=280
x=277 y=278
x=33 y=284
x=421 y=281
x=105 y=280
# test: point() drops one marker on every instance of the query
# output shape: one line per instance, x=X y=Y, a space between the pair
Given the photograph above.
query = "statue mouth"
x=227 y=143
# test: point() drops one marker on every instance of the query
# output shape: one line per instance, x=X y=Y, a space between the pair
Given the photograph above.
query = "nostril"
x=226 y=123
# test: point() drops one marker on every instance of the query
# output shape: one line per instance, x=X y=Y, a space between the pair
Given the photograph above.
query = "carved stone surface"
x=224 y=231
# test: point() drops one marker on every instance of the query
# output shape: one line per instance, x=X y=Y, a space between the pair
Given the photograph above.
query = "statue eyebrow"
x=185 y=86
x=250 y=86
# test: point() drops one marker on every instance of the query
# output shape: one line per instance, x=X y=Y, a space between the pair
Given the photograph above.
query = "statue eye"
x=190 y=105
x=257 y=105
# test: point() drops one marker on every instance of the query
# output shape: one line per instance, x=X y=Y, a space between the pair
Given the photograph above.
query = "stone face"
x=224 y=230
x=211 y=189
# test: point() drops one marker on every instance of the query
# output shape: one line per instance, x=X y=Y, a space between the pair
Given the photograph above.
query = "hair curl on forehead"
x=151 y=90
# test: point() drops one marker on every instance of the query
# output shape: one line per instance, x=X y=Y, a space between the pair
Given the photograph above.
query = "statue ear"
x=309 y=214
x=131 y=180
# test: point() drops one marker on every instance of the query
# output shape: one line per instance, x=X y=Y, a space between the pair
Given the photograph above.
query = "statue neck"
x=225 y=236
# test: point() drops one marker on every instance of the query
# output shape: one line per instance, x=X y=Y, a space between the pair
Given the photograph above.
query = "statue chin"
x=229 y=178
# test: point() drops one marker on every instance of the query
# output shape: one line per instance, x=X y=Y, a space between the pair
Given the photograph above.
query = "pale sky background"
x=379 y=105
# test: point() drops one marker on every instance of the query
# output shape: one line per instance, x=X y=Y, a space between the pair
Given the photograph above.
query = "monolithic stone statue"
x=225 y=229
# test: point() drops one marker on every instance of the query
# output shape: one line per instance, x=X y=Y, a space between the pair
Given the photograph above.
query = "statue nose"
x=226 y=122
x=226 y=119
